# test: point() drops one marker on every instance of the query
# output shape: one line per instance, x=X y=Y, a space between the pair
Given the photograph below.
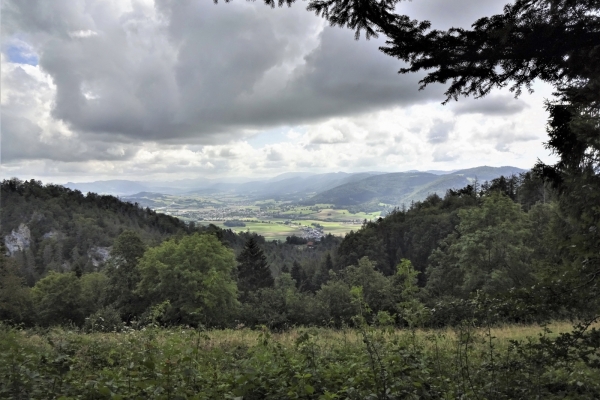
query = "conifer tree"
x=297 y=274
x=253 y=269
x=328 y=263
x=322 y=275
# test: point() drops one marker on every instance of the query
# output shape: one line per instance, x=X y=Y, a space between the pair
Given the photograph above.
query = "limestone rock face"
x=18 y=240
x=99 y=255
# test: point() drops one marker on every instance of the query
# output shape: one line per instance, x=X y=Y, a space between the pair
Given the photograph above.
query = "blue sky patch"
x=21 y=55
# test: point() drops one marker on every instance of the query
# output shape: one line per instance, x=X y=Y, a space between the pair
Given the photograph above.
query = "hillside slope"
x=50 y=227
x=405 y=187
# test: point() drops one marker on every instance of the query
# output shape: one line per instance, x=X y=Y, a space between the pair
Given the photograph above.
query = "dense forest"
x=79 y=258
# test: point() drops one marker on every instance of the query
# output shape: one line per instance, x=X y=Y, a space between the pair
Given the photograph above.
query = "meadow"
x=265 y=217
x=271 y=230
x=506 y=362
x=337 y=222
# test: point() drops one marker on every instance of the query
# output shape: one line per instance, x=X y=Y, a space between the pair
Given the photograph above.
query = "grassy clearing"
x=335 y=228
x=345 y=215
x=277 y=230
x=329 y=337
x=271 y=231
x=311 y=363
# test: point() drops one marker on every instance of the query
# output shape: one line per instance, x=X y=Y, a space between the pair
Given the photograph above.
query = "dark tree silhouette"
x=297 y=274
x=253 y=269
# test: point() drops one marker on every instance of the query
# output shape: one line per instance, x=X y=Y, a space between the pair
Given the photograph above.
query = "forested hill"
x=50 y=227
x=406 y=187
x=53 y=228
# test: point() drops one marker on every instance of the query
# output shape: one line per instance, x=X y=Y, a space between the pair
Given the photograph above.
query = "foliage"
x=412 y=234
x=123 y=275
x=369 y=363
x=93 y=292
x=377 y=290
x=234 y=223
x=253 y=270
x=57 y=299
x=487 y=252
x=195 y=274
x=106 y=319
x=15 y=297
x=295 y=240
x=68 y=228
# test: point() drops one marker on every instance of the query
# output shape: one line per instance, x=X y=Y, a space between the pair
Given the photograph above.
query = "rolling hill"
x=404 y=187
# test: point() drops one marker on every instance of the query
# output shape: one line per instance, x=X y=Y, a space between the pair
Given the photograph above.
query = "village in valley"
x=271 y=218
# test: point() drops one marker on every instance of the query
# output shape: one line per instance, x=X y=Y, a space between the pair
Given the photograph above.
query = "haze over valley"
x=307 y=204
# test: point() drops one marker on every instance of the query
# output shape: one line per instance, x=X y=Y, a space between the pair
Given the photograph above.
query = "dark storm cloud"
x=196 y=74
x=341 y=77
x=492 y=105
x=192 y=72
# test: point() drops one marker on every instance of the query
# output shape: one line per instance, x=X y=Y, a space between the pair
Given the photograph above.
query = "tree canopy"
x=195 y=275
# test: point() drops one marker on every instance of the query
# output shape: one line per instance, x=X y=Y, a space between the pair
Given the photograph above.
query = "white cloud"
x=83 y=34
x=141 y=89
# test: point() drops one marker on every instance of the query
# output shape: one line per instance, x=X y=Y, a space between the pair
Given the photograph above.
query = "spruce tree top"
x=253 y=269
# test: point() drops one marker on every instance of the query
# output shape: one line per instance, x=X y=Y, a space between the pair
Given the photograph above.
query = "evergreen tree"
x=253 y=269
x=328 y=263
x=297 y=274
x=322 y=274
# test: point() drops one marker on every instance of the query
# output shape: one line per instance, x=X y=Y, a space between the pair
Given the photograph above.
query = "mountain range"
x=339 y=188
x=404 y=187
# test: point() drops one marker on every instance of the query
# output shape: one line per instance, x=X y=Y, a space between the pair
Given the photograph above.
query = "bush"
x=106 y=319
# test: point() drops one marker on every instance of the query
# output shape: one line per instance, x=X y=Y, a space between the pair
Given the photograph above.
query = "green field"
x=276 y=230
x=271 y=231
x=264 y=217
x=345 y=215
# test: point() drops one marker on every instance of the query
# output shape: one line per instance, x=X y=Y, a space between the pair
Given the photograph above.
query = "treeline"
x=491 y=246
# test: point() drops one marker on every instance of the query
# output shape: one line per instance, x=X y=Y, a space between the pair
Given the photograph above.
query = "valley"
x=305 y=205
x=273 y=219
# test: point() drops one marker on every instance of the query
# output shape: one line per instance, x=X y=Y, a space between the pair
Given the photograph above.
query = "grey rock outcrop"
x=99 y=255
x=18 y=240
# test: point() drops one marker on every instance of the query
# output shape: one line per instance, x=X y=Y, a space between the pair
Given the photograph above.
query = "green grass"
x=271 y=231
x=335 y=228
x=345 y=215
x=275 y=230
x=299 y=211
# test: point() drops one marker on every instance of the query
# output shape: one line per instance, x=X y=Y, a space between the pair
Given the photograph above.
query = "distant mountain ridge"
x=339 y=188
x=403 y=187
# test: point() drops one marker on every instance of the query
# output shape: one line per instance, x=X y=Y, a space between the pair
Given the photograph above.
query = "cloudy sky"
x=170 y=89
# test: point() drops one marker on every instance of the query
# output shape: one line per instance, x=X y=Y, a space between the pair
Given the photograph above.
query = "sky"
x=176 y=89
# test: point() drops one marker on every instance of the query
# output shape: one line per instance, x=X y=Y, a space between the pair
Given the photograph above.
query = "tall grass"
x=503 y=362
